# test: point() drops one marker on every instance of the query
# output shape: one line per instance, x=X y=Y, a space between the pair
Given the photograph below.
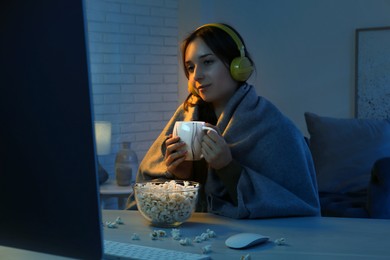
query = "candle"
x=103 y=137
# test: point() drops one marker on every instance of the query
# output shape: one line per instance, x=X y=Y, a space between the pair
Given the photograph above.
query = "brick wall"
x=133 y=48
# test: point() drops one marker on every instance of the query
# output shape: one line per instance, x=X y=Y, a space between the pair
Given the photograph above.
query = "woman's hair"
x=220 y=43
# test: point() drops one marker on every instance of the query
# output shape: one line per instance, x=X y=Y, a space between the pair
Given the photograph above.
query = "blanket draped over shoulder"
x=277 y=177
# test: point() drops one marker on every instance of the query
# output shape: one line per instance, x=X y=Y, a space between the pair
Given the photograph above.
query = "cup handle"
x=209 y=128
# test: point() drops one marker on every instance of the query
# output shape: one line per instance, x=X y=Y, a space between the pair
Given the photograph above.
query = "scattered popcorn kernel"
x=185 y=241
x=206 y=249
x=280 y=241
x=135 y=236
x=119 y=221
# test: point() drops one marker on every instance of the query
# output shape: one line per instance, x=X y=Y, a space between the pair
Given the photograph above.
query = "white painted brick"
x=133 y=49
x=149 y=40
x=99 y=47
x=164 y=88
x=96 y=79
x=96 y=58
x=151 y=2
x=135 y=68
x=158 y=126
x=164 y=12
x=134 y=108
x=149 y=59
x=105 y=89
x=149 y=78
x=148 y=20
x=149 y=117
x=171 y=60
x=96 y=16
x=103 y=6
x=144 y=136
x=135 y=9
x=170 y=78
x=106 y=109
x=126 y=118
x=118 y=38
x=148 y=98
x=170 y=97
x=95 y=37
x=133 y=62
x=118 y=58
x=135 y=88
x=120 y=18
x=98 y=99
x=164 y=31
x=171 y=3
x=118 y=78
x=113 y=98
x=163 y=50
x=167 y=116
x=170 y=22
x=135 y=127
x=171 y=41
x=162 y=69
x=105 y=68
x=164 y=106
x=103 y=27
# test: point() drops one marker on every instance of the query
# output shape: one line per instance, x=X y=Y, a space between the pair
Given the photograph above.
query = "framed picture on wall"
x=372 y=73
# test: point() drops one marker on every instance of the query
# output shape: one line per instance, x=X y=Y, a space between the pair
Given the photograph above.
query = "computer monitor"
x=49 y=198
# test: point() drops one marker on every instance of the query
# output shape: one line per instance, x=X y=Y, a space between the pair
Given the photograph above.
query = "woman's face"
x=207 y=74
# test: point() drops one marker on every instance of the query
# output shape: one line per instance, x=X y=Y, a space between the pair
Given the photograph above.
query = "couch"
x=352 y=161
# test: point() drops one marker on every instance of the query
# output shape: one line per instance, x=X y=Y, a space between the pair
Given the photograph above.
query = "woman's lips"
x=203 y=87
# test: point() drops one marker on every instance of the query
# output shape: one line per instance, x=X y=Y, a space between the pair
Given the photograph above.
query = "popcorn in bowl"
x=166 y=204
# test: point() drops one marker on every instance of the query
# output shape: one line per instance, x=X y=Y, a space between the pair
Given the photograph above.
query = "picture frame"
x=372 y=73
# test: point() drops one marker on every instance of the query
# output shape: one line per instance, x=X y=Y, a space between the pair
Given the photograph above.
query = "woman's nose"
x=198 y=73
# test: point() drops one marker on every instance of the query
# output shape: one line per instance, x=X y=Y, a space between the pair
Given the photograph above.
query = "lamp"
x=103 y=145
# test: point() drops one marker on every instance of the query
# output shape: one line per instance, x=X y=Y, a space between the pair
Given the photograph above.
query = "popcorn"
x=119 y=221
x=206 y=249
x=246 y=257
x=135 y=236
x=185 y=241
x=110 y=224
x=175 y=233
x=167 y=202
x=205 y=236
x=280 y=241
x=154 y=235
x=161 y=233
x=211 y=233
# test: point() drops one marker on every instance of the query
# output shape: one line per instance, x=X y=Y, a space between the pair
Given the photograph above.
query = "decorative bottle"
x=126 y=165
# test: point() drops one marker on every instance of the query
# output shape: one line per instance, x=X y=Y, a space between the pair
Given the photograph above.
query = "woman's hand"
x=175 y=158
x=215 y=149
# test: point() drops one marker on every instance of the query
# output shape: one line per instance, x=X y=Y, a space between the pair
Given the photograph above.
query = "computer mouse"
x=244 y=240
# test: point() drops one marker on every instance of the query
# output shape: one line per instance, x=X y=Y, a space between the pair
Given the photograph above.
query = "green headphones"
x=241 y=67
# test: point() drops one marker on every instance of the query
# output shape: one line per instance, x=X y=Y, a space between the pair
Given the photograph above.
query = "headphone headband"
x=231 y=33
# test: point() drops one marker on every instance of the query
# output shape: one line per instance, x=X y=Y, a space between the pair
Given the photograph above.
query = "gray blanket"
x=278 y=176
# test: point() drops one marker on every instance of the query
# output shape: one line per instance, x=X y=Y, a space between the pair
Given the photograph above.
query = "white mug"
x=191 y=133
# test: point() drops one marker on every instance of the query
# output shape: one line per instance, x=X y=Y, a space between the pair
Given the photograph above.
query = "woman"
x=258 y=165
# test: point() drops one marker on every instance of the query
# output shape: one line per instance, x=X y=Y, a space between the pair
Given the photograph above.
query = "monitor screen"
x=48 y=183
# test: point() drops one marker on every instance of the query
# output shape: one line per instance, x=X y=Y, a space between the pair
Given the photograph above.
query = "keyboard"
x=118 y=250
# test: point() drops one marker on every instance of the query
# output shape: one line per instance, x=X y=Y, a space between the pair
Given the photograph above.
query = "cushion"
x=344 y=150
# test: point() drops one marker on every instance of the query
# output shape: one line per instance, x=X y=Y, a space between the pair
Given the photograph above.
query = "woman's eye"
x=190 y=68
x=208 y=62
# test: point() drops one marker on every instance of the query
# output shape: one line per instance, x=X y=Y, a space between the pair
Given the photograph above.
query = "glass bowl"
x=166 y=203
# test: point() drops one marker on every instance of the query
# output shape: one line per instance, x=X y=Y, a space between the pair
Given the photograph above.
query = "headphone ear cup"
x=241 y=69
x=192 y=90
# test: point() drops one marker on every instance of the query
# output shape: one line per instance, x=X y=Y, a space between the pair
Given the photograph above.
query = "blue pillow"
x=344 y=150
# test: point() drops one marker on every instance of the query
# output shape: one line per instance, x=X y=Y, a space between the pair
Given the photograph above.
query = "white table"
x=306 y=237
x=110 y=189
